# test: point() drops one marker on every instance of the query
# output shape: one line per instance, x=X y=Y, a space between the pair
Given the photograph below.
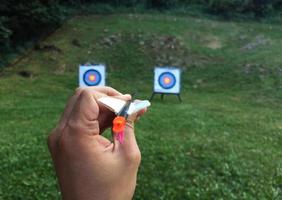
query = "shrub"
x=24 y=20
x=163 y=4
x=5 y=34
x=263 y=8
x=227 y=6
x=260 y=8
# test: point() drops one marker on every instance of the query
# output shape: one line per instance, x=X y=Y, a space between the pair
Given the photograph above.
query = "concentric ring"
x=167 y=80
x=92 y=77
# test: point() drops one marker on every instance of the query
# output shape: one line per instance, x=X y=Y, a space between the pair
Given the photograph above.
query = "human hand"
x=88 y=165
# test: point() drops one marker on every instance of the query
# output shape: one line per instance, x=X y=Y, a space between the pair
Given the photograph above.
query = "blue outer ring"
x=171 y=84
x=94 y=72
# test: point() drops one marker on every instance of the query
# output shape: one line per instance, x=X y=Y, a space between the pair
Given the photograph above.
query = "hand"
x=88 y=165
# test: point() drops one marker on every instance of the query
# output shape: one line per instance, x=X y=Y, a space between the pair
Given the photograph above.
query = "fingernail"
x=127 y=95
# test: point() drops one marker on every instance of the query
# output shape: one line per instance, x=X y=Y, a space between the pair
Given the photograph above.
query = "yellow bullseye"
x=167 y=80
x=92 y=78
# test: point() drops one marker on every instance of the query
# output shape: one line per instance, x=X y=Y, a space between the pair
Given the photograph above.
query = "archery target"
x=167 y=80
x=92 y=75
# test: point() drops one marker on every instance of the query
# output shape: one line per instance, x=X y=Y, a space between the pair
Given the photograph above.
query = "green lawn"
x=223 y=142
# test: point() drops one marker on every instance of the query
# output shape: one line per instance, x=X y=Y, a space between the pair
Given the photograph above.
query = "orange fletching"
x=119 y=124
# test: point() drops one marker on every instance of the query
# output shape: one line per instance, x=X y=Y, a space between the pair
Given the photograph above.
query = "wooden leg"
x=152 y=96
x=179 y=98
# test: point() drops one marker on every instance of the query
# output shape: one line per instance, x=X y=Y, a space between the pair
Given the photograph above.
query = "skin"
x=88 y=165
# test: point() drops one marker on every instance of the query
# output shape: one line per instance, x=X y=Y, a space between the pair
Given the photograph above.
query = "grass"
x=223 y=142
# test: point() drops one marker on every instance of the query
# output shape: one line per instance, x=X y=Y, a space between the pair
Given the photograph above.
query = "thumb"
x=83 y=118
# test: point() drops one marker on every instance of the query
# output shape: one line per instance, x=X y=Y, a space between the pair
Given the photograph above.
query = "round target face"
x=167 y=80
x=92 y=77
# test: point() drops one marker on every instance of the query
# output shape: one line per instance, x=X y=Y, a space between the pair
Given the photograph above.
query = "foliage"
x=4 y=33
x=163 y=3
x=25 y=21
x=259 y=7
x=22 y=21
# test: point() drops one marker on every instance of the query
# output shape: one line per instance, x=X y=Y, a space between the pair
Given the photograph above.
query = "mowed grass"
x=223 y=142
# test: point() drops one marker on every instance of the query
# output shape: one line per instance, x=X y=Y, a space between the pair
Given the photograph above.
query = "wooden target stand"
x=162 y=95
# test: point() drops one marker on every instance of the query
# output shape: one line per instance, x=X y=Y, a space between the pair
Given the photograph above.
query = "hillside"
x=223 y=142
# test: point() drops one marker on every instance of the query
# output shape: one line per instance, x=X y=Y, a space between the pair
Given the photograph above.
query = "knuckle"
x=108 y=88
x=93 y=127
x=85 y=93
x=59 y=143
x=73 y=125
x=134 y=157
x=85 y=127
x=51 y=141
x=59 y=129
x=82 y=91
x=78 y=90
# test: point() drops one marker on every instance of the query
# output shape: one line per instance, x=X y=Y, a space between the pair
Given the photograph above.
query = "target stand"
x=166 y=82
x=91 y=75
x=162 y=95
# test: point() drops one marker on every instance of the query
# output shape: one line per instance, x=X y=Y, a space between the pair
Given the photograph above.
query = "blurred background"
x=222 y=142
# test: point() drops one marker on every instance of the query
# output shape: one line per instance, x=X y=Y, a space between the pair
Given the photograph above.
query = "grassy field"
x=223 y=142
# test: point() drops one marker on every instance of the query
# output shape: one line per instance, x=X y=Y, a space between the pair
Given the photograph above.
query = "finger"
x=106 y=116
x=129 y=148
x=125 y=97
x=141 y=112
x=106 y=90
x=129 y=140
x=104 y=142
x=130 y=123
x=83 y=118
x=72 y=100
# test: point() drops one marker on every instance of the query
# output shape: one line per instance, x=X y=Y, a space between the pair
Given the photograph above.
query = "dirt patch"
x=172 y=51
x=110 y=40
x=48 y=48
x=164 y=50
x=212 y=42
x=61 y=69
x=167 y=50
x=256 y=69
x=259 y=71
x=258 y=41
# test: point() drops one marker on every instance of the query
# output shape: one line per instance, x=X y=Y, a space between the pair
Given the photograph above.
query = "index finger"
x=97 y=92
x=109 y=91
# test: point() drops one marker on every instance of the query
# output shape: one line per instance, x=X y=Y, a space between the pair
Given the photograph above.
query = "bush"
x=24 y=20
x=5 y=34
x=163 y=4
x=226 y=5
x=260 y=8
